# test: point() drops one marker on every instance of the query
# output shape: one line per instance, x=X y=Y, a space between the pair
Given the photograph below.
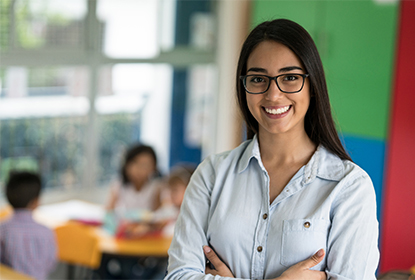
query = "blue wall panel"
x=369 y=154
x=179 y=151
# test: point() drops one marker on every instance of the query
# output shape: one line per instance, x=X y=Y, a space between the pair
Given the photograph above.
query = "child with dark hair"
x=139 y=187
x=25 y=245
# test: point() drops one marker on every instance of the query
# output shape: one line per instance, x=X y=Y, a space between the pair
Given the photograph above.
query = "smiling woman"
x=288 y=107
x=288 y=203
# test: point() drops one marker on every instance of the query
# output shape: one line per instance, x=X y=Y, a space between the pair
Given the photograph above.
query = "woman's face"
x=140 y=168
x=277 y=112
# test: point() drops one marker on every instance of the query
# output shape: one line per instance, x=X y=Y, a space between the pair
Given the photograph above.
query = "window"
x=78 y=85
x=43 y=115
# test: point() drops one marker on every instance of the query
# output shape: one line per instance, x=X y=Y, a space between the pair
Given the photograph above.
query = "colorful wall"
x=366 y=51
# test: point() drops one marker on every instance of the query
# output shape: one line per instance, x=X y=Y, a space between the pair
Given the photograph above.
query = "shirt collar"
x=251 y=150
x=22 y=214
x=323 y=163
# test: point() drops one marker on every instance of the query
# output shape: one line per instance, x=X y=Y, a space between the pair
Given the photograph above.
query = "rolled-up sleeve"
x=353 y=241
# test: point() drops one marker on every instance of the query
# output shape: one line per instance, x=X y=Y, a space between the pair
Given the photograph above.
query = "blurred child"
x=163 y=219
x=25 y=245
x=177 y=182
x=138 y=188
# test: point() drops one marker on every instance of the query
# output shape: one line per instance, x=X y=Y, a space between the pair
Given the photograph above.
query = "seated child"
x=163 y=219
x=25 y=245
x=139 y=188
x=177 y=182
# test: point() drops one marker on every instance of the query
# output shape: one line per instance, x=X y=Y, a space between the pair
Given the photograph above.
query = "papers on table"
x=53 y=215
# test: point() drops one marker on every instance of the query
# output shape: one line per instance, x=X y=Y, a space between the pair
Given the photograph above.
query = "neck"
x=33 y=204
x=286 y=147
x=138 y=185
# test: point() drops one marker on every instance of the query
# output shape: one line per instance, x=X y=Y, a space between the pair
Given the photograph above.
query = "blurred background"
x=81 y=80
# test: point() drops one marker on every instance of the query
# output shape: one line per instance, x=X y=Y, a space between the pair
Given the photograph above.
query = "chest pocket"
x=301 y=239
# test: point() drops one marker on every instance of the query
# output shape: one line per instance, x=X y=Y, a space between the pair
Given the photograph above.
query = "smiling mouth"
x=278 y=111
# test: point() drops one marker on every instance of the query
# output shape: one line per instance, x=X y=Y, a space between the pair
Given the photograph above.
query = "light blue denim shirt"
x=329 y=203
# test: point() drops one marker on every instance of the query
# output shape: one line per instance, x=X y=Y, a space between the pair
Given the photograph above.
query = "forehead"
x=143 y=157
x=272 y=56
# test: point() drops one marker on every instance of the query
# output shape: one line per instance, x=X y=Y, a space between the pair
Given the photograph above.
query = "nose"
x=273 y=92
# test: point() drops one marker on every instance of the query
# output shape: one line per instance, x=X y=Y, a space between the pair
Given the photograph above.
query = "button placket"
x=261 y=232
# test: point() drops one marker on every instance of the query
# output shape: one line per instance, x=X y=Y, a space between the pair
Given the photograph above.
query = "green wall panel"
x=302 y=12
x=356 y=41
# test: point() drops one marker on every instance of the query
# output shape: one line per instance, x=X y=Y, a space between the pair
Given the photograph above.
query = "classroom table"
x=146 y=246
x=57 y=214
x=7 y=273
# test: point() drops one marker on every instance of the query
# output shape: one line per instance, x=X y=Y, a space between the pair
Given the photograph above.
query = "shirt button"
x=259 y=249
x=307 y=224
x=265 y=216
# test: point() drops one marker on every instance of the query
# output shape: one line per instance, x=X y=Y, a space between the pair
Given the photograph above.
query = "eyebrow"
x=282 y=70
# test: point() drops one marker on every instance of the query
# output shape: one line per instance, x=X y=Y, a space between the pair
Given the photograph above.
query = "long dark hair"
x=319 y=124
x=131 y=153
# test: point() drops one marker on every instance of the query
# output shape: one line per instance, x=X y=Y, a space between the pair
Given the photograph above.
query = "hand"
x=301 y=270
x=220 y=267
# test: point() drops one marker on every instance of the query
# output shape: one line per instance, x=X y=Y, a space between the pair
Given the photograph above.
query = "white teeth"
x=277 y=111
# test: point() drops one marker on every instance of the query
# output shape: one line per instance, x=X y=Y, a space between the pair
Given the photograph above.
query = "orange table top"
x=145 y=246
x=7 y=273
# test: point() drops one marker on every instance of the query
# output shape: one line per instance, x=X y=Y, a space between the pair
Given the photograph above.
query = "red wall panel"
x=398 y=230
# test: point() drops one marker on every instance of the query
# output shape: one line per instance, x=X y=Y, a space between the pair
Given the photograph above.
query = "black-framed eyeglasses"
x=288 y=83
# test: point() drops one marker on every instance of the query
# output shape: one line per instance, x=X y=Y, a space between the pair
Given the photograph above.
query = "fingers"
x=314 y=260
x=219 y=267
x=212 y=257
x=211 y=271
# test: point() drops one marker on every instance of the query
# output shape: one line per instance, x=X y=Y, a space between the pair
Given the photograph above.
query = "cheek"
x=250 y=100
x=129 y=171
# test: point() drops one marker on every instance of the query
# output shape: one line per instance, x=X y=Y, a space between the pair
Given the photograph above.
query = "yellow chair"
x=78 y=245
x=5 y=212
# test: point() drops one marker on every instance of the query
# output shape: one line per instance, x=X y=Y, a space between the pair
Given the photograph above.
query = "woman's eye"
x=257 y=80
x=290 y=78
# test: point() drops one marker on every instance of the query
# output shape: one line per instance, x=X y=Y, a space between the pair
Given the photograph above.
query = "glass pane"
x=131 y=27
x=4 y=24
x=49 y=23
x=117 y=132
x=201 y=88
x=124 y=87
x=43 y=120
x=44 y=92
x=51 y=146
